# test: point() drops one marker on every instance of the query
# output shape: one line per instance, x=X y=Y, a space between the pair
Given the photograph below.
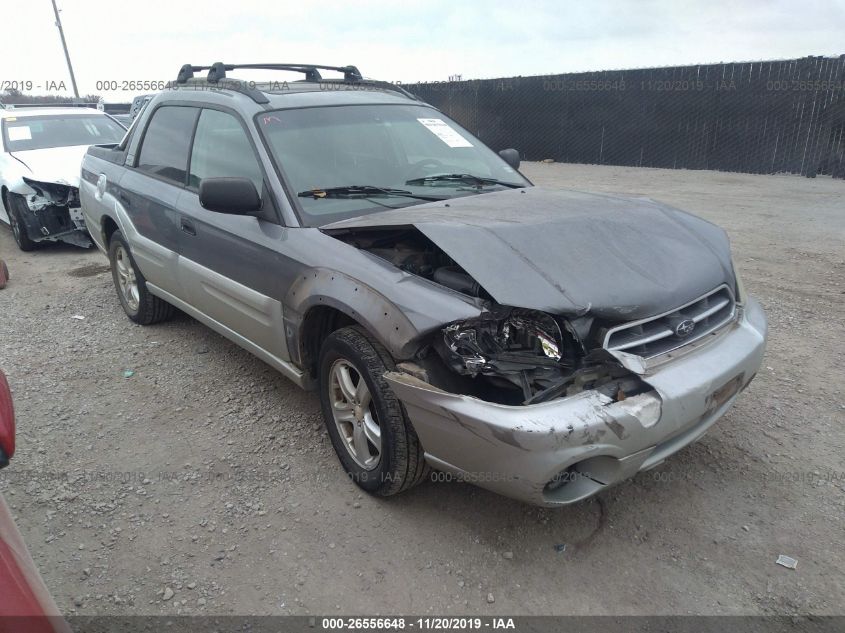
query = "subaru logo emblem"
x=684 y=328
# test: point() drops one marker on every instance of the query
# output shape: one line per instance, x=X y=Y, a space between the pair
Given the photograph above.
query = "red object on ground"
x=7 y=419
x=25 y=604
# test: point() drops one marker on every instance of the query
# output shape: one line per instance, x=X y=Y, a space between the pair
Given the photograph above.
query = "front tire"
x=17 y=205
x=139 y=304
x=369 y=430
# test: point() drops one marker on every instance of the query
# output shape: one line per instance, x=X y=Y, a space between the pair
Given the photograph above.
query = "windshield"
x=59 y=130
x=392 y=148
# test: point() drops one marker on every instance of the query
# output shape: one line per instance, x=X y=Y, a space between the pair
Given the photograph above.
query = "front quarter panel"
x=396 y=307
x=12 y=172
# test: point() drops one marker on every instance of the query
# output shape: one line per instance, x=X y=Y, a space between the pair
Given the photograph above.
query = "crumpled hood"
x=570 y=252
x=54 y=164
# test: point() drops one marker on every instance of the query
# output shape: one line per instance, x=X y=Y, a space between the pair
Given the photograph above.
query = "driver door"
x=230 y=263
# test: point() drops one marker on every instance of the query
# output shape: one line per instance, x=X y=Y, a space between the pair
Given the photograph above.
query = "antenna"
x=64 y=46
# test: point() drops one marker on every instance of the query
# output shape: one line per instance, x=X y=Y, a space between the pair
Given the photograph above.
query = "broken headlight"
x=522 y=349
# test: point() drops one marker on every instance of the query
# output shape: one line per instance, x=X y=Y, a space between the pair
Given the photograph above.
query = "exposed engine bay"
x=409 y=250
x=507 y=355
x=54 y=214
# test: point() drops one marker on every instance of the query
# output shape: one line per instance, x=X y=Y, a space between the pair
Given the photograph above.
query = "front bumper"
x=586 y=442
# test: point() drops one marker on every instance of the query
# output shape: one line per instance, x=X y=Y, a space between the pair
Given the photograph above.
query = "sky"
x=148 y=40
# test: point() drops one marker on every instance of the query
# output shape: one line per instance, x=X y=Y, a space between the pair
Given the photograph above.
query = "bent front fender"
x=416 y=307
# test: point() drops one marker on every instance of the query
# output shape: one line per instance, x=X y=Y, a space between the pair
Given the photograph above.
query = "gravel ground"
x=164 y=470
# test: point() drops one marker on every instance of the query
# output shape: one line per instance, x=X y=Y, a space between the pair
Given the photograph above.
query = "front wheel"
x=17 y=205
x=138 y=302
x=371 y=434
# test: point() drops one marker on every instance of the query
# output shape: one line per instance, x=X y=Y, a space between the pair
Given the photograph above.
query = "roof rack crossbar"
x=218 y=70
x=217 y=75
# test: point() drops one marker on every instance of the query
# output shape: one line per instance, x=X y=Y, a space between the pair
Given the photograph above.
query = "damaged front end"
x=588 y=424
x=596 y=348
x=53 y=213
x=507 y=355
x=554 y=405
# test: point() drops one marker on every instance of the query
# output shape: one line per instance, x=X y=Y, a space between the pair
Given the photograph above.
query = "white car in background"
x=42 y=149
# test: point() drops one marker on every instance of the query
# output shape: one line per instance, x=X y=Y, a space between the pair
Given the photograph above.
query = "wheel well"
x=318 y=323
x=109 y=227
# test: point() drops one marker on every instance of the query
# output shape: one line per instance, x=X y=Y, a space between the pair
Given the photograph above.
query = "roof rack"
x=217 y=75
x=217 y=71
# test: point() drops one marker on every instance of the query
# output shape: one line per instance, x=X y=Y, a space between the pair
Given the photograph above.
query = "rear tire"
x=140 y=305
x=351 y=354
x=17 y=205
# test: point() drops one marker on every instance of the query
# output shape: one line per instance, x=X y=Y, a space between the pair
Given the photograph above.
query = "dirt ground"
x=204 y=482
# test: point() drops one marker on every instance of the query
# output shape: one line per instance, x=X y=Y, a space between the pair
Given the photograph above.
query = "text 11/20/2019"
x=423 y=624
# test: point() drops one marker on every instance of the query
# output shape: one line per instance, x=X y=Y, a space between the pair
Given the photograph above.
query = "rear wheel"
x=138 y=302
x=371 y=434
x=17 y=205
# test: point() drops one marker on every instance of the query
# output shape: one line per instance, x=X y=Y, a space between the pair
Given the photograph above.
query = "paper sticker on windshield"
x=445 y=132
x=19 y=133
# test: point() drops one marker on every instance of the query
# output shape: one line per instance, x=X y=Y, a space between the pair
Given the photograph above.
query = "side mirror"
x=511 y=157
x=237 y=196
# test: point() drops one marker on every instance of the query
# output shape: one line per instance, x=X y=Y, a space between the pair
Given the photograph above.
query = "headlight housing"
x=519 y=356
x=523 y=347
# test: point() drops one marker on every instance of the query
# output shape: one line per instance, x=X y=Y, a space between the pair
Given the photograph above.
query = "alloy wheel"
x=352 y=409
x=126 y=279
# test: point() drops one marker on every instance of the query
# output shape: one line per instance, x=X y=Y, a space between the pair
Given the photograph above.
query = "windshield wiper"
x=462 y=179
x=362 y=191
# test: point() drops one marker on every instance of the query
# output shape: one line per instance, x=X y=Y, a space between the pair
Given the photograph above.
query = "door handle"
x=124 y=199
x=187 y=227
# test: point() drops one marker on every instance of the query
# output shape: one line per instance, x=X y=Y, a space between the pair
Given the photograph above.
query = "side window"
x=165 y=146
x=222 y=149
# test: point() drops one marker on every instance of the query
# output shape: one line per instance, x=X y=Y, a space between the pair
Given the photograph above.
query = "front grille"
x=665 y=332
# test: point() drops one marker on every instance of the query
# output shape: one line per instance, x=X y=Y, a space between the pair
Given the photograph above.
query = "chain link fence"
x=757 y=117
